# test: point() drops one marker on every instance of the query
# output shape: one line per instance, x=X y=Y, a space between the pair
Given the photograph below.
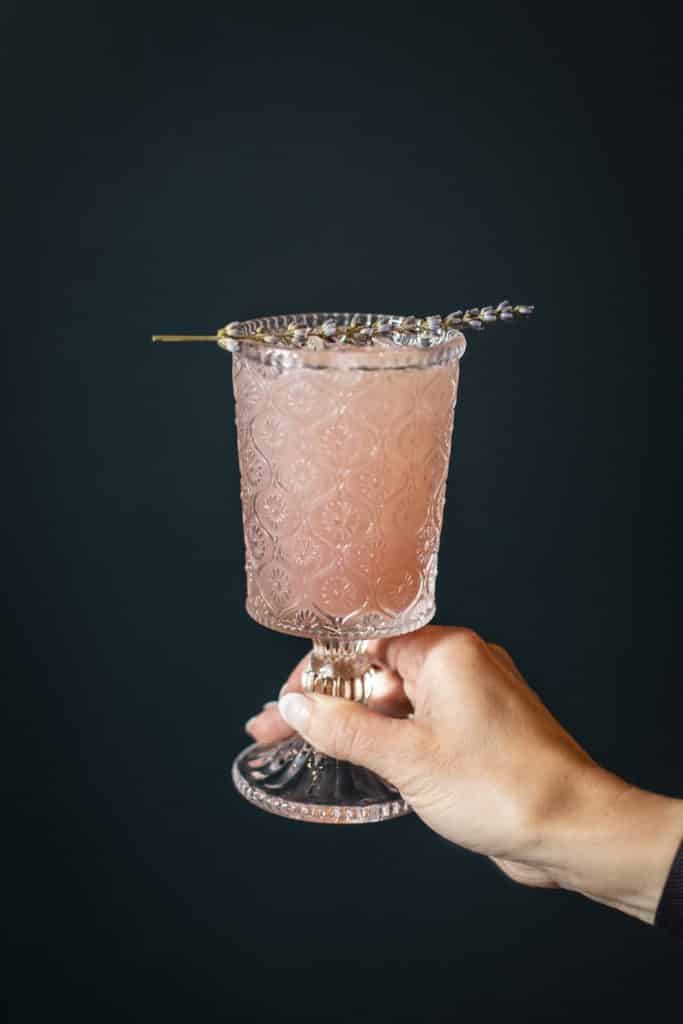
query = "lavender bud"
x=432 y=323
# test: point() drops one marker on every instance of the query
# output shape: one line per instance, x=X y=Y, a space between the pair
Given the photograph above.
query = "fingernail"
x=270 y=704
x=249 y=724
x=295 y=708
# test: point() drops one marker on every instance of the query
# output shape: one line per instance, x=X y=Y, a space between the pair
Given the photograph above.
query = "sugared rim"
x=405 y=341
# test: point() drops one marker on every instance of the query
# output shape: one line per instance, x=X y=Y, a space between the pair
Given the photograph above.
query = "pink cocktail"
x=344 y=446
x=343 y=476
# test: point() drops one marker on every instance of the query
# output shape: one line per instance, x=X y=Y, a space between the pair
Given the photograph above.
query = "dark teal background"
x=187 y=166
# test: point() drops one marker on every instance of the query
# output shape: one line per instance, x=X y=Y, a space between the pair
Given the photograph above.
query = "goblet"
x=343 y=455
x=344 y=425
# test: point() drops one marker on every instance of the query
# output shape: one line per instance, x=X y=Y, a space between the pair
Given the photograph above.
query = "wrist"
x=616 y=843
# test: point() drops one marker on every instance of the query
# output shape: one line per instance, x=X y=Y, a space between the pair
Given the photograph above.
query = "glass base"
x=293 y=780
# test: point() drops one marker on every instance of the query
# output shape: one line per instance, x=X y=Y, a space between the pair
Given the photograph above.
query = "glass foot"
x=293 y=780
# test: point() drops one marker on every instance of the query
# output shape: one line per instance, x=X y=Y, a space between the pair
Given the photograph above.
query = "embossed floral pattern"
x=339 y=519
x=398 y=589
x=274 y=508
x=302 y=398
x=269 y=432
x=305 y=552
x=339 y=593
x=345 y=441
x=343 y=486
x=277 y=511
x=304 y=621
x=277 y=587
x=257 y=540
x=301 y=474
x=255 y=466
x=364 y=557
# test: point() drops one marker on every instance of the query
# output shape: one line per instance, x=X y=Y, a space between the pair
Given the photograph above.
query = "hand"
x=484 y=763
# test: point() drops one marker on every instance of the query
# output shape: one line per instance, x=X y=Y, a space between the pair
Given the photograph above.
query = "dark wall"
x=188 y=168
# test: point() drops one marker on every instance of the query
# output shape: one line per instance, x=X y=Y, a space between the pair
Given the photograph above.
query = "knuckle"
x=503 y=654
x=458 y=646
x=466 y=641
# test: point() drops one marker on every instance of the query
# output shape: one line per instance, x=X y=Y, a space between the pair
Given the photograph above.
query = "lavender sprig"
x=477 y=318
x=411 y=330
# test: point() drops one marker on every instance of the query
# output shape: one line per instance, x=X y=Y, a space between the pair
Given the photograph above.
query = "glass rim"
x=444 y=346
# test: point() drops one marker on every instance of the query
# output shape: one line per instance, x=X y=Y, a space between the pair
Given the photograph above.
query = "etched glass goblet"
x=344 y=447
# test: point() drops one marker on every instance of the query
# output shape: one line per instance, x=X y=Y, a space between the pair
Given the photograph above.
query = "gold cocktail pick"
x=184 y=337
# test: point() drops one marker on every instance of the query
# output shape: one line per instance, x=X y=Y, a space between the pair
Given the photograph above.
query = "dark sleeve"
x=669 y=914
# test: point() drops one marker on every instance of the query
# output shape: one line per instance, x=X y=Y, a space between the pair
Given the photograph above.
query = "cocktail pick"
x=185 y=337
x=298 y=333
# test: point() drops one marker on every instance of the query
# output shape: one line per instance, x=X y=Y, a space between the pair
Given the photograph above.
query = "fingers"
x=406 y=654
x=268 y=726
x=401 y=661
x=388 y=695
x=400 y=658
x=352 y=732
x=388 y=698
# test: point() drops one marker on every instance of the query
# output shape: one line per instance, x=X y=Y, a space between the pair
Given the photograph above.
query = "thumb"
x=352 y=732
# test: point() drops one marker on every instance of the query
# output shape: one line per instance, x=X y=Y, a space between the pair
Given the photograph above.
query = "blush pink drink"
x=343 y=483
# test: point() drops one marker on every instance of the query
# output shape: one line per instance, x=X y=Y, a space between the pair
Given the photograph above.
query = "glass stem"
x=339 y=668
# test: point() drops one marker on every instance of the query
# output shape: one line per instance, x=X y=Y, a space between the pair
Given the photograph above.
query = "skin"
x=480 y=759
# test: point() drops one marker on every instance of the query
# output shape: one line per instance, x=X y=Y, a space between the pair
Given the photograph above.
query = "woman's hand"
x=484 y=763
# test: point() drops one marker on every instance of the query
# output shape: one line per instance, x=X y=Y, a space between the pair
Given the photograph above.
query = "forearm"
x=618 y=847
